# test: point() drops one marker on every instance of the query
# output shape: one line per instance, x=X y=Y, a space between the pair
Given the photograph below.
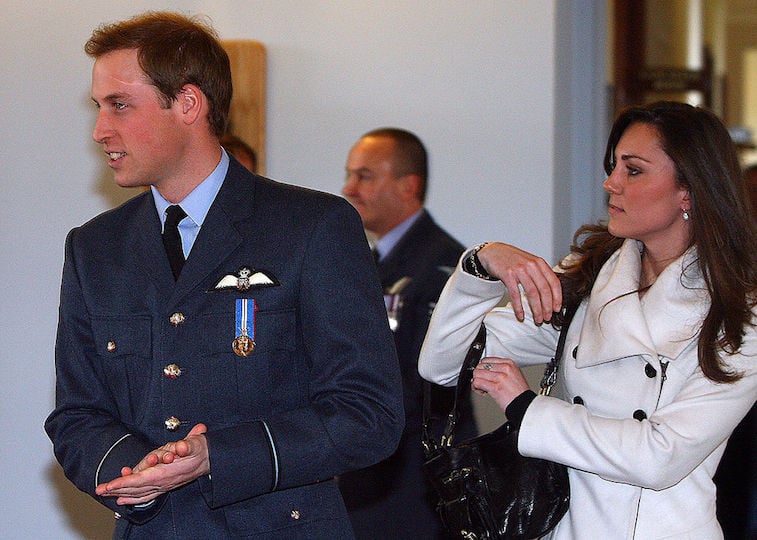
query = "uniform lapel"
x=219 y=235
x=145 y=245
x=393 y=267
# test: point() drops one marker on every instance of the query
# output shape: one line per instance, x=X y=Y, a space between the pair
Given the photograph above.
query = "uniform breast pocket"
x=268 y=371
x=124 y=345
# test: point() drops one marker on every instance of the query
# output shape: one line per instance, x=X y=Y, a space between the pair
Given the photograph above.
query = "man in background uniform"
x=387 y=173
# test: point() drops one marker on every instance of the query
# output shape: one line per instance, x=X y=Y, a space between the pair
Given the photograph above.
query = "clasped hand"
x=501 y=378
x=166 y=468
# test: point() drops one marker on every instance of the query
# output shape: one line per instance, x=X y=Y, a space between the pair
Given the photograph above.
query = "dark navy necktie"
x=172 y=238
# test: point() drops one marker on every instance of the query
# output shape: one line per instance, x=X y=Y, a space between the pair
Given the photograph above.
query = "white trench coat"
x=637 y=423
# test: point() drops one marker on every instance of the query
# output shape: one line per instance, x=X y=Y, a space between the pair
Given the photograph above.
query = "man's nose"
x=102 y=128
x=350 y=187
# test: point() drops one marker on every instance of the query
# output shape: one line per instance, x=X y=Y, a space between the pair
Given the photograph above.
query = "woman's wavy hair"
x=722 y=228
x=173 y=50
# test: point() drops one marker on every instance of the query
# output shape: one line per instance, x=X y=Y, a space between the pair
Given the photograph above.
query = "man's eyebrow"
x=118 y=96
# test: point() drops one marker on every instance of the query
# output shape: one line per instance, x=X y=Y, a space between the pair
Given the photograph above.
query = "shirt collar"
x=386 y=243
x=197 y=203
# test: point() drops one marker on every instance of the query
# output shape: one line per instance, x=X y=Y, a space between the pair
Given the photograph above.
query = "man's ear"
x=192 y=103
x=411 y=186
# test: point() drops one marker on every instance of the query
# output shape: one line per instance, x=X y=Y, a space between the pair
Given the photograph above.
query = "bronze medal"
x=243 y=345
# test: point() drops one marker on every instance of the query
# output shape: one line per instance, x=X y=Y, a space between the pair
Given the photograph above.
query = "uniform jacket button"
x=110 y=346
x=650 y=371
x=295 y=514
x=639 y=415
x=172 y=423
x=172 y=371
x=578 y=400
x=176 y=319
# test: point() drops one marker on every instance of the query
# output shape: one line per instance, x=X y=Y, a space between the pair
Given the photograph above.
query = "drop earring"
x=685 y=215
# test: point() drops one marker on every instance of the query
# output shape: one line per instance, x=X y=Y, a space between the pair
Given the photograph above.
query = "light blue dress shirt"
x=196 y=204
x=386 y=243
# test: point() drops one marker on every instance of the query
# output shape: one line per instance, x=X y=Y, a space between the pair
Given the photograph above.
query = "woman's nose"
x=611 y=184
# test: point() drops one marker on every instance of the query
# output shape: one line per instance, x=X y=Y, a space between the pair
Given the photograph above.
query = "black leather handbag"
x=486 y=489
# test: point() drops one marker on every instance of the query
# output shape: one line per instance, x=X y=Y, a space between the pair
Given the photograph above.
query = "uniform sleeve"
x=89 y=441
x=353 y=416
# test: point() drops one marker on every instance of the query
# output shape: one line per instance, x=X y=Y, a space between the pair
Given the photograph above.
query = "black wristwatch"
x=472 y=265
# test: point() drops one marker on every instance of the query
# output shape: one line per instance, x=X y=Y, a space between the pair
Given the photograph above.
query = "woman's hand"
x=515 y=267
x=501 y=378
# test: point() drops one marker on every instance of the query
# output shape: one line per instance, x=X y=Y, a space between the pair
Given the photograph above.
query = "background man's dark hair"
x=411 y=157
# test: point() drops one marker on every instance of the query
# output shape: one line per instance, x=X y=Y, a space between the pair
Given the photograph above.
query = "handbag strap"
x=472 y=358
x=550 y=372
x=462 y=390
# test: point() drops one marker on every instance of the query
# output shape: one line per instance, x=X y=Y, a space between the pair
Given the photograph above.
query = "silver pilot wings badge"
x=247 y=278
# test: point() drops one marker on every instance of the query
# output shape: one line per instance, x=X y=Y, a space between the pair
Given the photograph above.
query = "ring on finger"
x=487 y=366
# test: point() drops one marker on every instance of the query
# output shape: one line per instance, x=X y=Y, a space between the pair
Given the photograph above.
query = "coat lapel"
x=620 y=325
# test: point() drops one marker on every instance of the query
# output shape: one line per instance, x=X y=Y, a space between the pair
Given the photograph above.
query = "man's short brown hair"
x=173 y=50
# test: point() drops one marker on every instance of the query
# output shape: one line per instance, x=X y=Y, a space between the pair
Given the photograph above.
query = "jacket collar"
x=664 y=322
x=219 y=235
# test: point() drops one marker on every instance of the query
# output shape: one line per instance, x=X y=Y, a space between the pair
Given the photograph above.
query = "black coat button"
x=578 y=400
x=639 y=415
x=650 y=371
x=575 y=351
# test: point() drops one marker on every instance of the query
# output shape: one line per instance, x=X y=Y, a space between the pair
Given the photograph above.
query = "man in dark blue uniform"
x=387 y=171
x=222 y=348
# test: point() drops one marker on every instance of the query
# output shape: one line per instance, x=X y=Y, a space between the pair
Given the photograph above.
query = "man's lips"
x=113 y=156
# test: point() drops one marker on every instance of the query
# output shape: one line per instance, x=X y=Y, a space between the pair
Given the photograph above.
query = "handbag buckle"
x=549 y=378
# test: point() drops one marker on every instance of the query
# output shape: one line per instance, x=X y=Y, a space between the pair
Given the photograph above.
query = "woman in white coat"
x=661 y=355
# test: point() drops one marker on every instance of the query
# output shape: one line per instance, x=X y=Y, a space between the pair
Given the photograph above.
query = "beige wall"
x=476 y=80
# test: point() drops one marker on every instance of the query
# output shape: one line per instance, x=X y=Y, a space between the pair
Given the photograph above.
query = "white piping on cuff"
x=275 y=457
x=99 y=465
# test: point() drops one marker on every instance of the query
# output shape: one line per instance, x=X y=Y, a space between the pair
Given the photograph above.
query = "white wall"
x=474 y=79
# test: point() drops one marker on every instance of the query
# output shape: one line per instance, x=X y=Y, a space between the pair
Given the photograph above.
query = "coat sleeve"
x=656 y=453
x=353 y=414
x=465 y=302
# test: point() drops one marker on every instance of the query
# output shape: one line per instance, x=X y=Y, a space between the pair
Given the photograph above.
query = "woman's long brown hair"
x=723 y=229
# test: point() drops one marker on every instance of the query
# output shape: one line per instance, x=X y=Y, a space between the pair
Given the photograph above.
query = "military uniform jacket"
x=318 y=395
x=427 y=255
x=639 y=426
x=394 y=499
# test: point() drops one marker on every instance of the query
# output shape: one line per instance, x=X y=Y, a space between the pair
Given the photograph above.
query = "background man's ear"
x=412 y=185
